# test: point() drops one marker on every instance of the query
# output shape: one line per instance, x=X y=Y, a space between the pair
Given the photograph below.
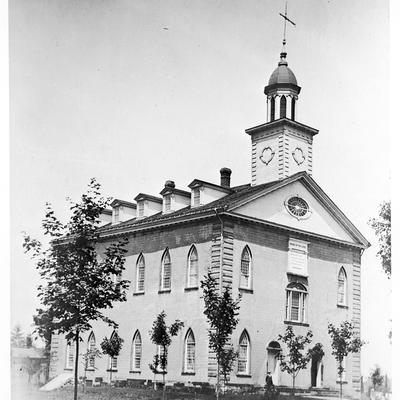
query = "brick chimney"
x=225 y=177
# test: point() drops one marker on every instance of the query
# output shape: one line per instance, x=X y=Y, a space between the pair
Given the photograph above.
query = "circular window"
x=297 y=207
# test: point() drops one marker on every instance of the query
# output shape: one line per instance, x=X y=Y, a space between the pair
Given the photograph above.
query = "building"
x=280 y=241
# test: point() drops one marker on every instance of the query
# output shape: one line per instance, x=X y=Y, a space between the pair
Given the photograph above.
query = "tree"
x=295 y=360
x=112 y=348
x=344 y=340
x=383 y=230
x=28 y=341
x=79 y=282
x=222 y=316
x=376 y=377
x=88 y=358
x=17 y=337
x=161 y=335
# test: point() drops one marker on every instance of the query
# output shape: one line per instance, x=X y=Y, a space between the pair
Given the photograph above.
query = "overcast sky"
x=138 y=92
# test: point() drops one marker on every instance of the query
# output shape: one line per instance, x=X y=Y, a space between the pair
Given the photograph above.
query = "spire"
x=283 y=52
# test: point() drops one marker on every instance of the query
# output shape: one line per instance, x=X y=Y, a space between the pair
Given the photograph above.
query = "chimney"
x=225 y=177
x=169 y=185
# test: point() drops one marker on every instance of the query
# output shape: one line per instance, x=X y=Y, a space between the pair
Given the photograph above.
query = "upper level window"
x=136 y=352
x=166 y=271
x=244 y=354
x=70 y=355
x=91 y=348
x=245 y=269
x=140 y=270
x=189 y=356
x=342 y=287
x=283 y=107
x=116 y=214
x=196 y=196
x=296 y=303
x=192 y=268
x=140 y=208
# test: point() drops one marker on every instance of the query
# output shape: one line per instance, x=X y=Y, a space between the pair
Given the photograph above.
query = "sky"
x=138 y=92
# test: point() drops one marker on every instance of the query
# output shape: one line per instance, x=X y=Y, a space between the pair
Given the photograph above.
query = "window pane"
x=190 y=353
x=243 y=355
x=137 y=351
x=295 y=306
x=140 y=275
x=192 y=268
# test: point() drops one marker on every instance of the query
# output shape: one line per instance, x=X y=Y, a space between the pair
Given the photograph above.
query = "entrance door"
x=316 y=372
x=273 y=351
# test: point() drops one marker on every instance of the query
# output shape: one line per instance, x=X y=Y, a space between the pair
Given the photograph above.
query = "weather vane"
x=285 y=17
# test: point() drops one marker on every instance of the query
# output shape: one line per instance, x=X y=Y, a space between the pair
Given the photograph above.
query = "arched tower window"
x=190 y=352
x=192 y=268
x=272 y=108
x=136 y=351
x=342 y=287
x=244 y=354
x=296 y=302
x=283 y=107
x=140 y=271
x=166 y=271
x=91 y=346
x=246 y=269
x=293 y=108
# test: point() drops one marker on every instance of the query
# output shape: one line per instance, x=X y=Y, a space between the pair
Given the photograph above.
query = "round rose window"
x=298 y=207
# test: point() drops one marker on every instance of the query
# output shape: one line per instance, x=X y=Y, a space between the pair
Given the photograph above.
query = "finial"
x=283 y=52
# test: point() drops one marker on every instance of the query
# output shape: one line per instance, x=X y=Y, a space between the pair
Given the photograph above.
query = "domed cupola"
x=282 y=92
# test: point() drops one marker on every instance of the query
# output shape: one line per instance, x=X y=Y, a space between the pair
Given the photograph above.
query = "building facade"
x=279 y=241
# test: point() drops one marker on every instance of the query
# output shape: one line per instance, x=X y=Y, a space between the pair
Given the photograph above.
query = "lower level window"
x=296 y=303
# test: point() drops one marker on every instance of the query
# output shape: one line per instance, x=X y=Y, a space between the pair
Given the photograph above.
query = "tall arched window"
x=190 y=352
x=136 y=351
x=296 y=302
x=70 y=355
x=293 y=108
x=245 y=269
x=192 y=268
x=283 y=107
x=113 y=360
x=272 y=108
x=140 y=269
x=166 y=271
x=342 y=287
x=244 y=354
x=91 y=346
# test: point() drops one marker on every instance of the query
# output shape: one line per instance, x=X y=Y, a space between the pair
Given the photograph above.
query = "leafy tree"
x=79 y=281
x=222 y=316
x=28 y=341
x=296 y=358
x=383 y=230
x=17 y=337
x=88 y=358
x=344 y=340
x=161 y=335
x=376 y=377
x=112 y=348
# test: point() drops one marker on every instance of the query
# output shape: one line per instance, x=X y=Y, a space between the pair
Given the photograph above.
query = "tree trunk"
x=217 y=385
x=163 y=389
x=76 y=365
x=293 y=385
x=110 y=372
x=341 y=385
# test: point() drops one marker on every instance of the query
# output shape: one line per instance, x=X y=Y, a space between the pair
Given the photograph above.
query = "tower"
x=282 y=146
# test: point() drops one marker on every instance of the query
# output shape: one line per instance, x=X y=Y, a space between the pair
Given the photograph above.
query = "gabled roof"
x=199 y=182
x=144 y=196
x=239 y=196
x=118 y=202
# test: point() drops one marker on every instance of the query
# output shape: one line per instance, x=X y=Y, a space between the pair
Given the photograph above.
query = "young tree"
x=161 y=335
x=112 y=347
x=17 y=337
x=88 y=358
x=383 y=230
x=344 y=341
x=297 y=357
x=376 y=377
x=79 y=281
x=28 y=341
x=222 y=316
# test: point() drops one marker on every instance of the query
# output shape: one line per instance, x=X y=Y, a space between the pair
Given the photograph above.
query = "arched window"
x=342 y=287
x=245 y=269
x=91 y=346
x=192 y=268
x=140 y=269
x=293 y=108
x=296 y=302
x=136 y=351
x=166 y=271
x=283 y=107
x=244 y=354
x=70 y=355
x=272 y=108
x=113 y=360
x=190 y=352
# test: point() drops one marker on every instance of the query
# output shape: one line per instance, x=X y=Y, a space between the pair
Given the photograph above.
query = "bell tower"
x=282 y=146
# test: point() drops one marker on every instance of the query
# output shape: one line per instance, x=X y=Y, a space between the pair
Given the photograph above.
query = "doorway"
x=273 y=351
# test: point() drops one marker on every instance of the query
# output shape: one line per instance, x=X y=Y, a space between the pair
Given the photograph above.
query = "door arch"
x=273 y=362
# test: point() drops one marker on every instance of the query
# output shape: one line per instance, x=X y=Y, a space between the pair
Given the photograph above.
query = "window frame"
x=189 y=268
x=70 y=351
x=166 y=255
x=137 y=339
x=246 y=250
x=140 y=263
x=302 y=310
x=342 y=271
x=91 y=345
x=246 y=372
x=113 y=361
x=186 y=369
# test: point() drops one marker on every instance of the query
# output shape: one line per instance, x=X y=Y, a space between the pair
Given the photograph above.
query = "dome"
x=282 y=74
